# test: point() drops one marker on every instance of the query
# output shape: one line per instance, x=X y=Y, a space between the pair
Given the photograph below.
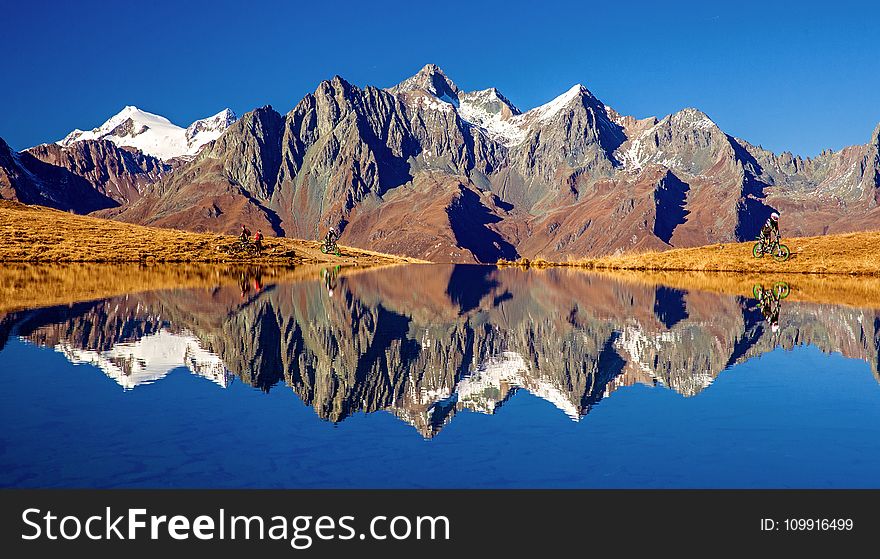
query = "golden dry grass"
x=39 y=234
x=849 y=253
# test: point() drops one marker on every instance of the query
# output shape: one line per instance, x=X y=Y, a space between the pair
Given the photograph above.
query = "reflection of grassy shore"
x=849 y=253
x=854 y=291
x=39 y=285
x=38 y=234
x=31 y=285
x=35 y=285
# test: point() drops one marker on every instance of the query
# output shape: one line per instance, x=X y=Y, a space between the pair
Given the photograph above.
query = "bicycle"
x=779 y=251
x=245 y=247
x=330 y=248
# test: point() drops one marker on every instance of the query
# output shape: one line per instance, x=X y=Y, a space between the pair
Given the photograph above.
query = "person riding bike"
x=770 y=229
x=332 y=235
x=258 y=241
x=245 y=234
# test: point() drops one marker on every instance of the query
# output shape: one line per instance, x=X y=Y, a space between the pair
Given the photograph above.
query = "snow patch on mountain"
x=511 y=129
x=154 y=134
x=489 y=110
x=436 y=103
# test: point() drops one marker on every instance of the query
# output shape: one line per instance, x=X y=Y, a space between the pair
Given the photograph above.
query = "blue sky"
x=792 y=76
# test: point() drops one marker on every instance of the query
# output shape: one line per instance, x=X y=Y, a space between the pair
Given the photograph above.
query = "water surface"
x=439 y=376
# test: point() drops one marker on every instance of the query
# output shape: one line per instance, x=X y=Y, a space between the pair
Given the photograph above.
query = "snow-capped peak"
x=692 y=117
x=208 y=129
x=154 y=134
x=549 y=110
x=489 y=112
x=486 y=109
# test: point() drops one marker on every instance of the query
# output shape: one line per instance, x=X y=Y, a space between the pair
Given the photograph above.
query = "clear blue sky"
x=792 y=76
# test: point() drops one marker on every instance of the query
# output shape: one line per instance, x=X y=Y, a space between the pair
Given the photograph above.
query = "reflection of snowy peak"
x=151 y=358
x=155 y=135
x=490 y=383
x=645 y=351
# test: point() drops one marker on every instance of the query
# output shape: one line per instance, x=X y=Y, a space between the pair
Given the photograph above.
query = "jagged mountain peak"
x=256 y=119
x=875 y=136
x=337 y=85
x=490 y=100
x=208 y=129
x=691 y=117
x=505 y=124
x=549 y=110
x=433 y=80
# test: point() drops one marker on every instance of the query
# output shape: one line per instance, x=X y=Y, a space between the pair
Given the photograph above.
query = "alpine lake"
x=430 y=376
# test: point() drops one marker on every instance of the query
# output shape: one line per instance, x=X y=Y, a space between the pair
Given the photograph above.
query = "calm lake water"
x=440 y=376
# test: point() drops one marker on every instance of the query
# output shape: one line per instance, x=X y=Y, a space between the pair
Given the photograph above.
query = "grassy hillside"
x=38 y=234
x=849 y=253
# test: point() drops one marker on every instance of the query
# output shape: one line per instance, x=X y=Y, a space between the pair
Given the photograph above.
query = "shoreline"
x=846 y=254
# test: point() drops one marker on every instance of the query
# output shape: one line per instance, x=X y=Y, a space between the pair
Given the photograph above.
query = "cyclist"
x=245 y=234
x=332 y=235
x=770 y=229
x=258 y=241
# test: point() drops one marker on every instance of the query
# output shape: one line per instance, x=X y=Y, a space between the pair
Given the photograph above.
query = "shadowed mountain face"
x=426 y=342
x=83 y=177
x=428 y=170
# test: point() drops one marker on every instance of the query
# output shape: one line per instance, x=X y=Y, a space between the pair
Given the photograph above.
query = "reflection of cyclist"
x=770 y=305
x=243 y=284
x=248 y=279
x=329 y=276
x=258 y=281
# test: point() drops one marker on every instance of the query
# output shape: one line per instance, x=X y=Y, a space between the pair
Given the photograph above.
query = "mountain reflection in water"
x=426 y=342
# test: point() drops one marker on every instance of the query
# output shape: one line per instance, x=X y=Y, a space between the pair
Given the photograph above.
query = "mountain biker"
x=332 y=235
x=245 y=234
x=770 y=227
x=258 y=241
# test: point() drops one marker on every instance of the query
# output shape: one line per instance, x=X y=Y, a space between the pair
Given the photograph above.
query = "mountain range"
x=426 y=169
